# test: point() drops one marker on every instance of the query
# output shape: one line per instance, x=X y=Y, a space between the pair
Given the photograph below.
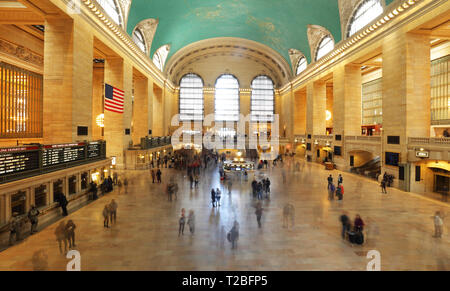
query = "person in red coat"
x=359 y=223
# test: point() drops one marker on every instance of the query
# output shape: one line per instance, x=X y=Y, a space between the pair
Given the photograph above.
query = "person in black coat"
x=61 y=199
x=94 y=190
x=213 y=197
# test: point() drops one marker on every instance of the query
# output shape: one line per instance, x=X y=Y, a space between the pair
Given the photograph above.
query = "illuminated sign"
x=422 y=154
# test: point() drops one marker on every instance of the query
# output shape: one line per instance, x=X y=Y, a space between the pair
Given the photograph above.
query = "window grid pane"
x=160 y=56
x=372 y=94
x=440 y=91
x=227 y=99
x=262 y=101
x=191 y=98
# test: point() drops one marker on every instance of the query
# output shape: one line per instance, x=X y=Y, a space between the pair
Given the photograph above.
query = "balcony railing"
x=429 y=141
x=374 y=139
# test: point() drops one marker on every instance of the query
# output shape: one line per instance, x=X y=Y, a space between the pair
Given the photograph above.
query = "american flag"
x=113 y=99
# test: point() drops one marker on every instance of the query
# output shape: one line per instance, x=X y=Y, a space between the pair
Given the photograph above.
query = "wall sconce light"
x=100 y=120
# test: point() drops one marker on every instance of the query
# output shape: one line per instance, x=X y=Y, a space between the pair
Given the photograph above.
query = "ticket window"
x=40 y=196
x=84 y=181
x=18 y=202
x=58 y=187
x=72 y=185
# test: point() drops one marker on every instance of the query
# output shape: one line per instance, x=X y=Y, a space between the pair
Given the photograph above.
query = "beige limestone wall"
x=140 y=109
x=58 y=81
x=83 y=43
x=300 y=112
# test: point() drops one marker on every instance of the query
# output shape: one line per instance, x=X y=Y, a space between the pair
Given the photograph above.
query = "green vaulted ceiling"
x=280 y=24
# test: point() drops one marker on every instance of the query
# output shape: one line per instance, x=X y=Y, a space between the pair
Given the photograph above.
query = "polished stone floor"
x=398 y=225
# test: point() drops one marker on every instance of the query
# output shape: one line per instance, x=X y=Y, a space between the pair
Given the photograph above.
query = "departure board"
x=93 y=150
x=14 y=160
x=62 y=153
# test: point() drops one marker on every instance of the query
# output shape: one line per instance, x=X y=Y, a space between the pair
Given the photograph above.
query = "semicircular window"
x=262 y=101
x=191 y=98
x=366 y=12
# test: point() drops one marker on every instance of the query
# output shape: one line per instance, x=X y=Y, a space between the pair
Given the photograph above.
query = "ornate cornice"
x=21 y=53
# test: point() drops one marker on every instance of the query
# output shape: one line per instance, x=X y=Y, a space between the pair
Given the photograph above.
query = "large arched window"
x=160 y=56
x=191 y=98
x=262 y=102
x=138 y=39
x=301 y=65
x=112 y=9
x=326 y=45
x=366 y=12
x=226 y=102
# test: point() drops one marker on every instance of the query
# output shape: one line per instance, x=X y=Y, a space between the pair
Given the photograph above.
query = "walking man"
x=258 y=214
x=60 y=233
x=213 y=197
x=218 y=196
x=345 y=220
x=14 y=228
x=158 y=175
x=191 y=221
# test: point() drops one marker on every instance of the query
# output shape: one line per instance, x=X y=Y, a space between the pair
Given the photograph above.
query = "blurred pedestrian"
x=113 y=211
x=60 y=233
x=106 y=213
x=70 y=233
x=181 y=222
x=191 y=221
x=33 y=215
x=438 y=224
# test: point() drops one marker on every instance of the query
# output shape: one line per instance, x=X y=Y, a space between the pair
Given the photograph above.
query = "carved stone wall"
x=21 y=53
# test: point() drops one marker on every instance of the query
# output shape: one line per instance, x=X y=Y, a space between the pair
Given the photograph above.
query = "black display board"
x=62 y=153
x=94 y=150
x=14 y=160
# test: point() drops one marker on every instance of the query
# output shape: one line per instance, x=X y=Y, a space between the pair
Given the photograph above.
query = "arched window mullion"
x=111 y=8
x=262 y=99
x=301 y=65
x=191 y=105
x=226 y=101
x=139 y=40
x=325 y=46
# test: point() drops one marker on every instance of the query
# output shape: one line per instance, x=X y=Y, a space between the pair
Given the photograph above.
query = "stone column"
x=406 y=94
x=68 y=54
x=58 y=78
x=346 y=107
x=118 y=74
x=140 y=109
x=316 y=104
x=83 y=55
x=300 y=112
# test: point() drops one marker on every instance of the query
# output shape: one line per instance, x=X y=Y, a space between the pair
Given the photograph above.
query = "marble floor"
x=398 y=225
